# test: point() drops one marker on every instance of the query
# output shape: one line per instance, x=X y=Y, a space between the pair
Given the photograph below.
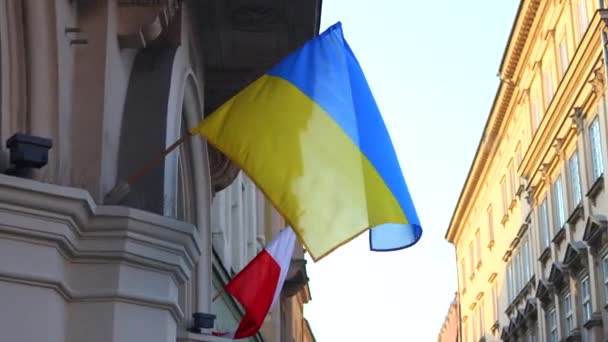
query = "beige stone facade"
x=530 y=227
x=113 y=83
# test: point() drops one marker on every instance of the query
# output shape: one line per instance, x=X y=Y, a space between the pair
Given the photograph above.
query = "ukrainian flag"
x=310 y=135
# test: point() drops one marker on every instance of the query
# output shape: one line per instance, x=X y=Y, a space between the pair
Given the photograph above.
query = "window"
x=463 y=272
x=481 y=320
x=517 y=271
x=471 y=259
x=503 y=189
x=575 y=181
x=526 y=260
x=510 y=285
x=518 y=156
x=512 y=181
x=558 y=202
x=474 y=325
x=535 y=114
x=586 y=298
x=478 y=242
x=544 y=225
x=605 y=269
x=583 y=19
x=597 y=167
x=494 y=302
x=532 y=334
x=552 y=325
x=548 y=85
x=568 y=318
x=563 y=56
x=490 y=223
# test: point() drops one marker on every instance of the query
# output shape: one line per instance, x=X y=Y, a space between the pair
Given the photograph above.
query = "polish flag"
x=258 y=286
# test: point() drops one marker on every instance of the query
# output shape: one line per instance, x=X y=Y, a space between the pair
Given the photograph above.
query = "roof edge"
x=481 y=154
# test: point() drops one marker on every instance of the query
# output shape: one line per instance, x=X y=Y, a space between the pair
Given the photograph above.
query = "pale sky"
x=432 y=67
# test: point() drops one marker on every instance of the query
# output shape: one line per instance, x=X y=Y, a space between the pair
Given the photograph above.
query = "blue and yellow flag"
x=310 y=135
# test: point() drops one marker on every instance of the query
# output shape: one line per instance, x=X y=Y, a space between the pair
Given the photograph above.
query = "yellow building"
x=529 y=227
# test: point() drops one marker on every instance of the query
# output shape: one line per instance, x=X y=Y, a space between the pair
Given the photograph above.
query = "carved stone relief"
x=145 y=22
x=254 y=15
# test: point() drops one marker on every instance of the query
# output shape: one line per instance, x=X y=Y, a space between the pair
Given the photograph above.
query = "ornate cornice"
x=223 y=170
x=142 y=23
x=67 y=238
x=598 y=80
x=578 y=119
x=78 y=223
x=511 y=61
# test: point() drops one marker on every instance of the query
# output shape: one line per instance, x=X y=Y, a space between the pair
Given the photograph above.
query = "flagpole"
x=217 y=295
x=122 y=188
x=154 y=162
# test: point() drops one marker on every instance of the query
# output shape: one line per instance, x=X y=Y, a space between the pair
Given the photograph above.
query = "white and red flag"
x=258 y=286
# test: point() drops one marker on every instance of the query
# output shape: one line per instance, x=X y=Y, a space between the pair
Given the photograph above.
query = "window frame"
x=478 y=248
x=543 y=219
x=504 y=195
x=490 y=216
x=564 y=56
x=586 y=298
x=534 y=114
x=472 y=259
x=595 y=147
x=552 y=325
x=582 y=17
x=557 y=192
x=548 y=87
x=574 y=180
x=568 y=312
x=605 y=277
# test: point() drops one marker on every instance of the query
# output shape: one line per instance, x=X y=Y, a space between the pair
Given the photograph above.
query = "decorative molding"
x=598 y=81
x=254 y=16
x=576 y=214
x=544 y=171
x=223 y=170
x=44 y=217
x=594 y=321
x=578 y=119
x=560 y=235
x=296 y=278
x=143 y=23
x=543 y=292
x=595 y=189
x=557 y=275
x=507 y=255
x=595 y=227
x=558 y=146
x=530 y=191
x=545 y=254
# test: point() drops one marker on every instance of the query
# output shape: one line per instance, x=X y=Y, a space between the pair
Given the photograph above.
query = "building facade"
x=113 y=83
x=450 y=331
x=242 y=222
x=529 y=228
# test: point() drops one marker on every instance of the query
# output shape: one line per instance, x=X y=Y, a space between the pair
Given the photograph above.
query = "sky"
x=432 y=67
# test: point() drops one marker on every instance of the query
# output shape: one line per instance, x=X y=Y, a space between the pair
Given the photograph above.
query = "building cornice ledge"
x=520 y=31
x=69 y=219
